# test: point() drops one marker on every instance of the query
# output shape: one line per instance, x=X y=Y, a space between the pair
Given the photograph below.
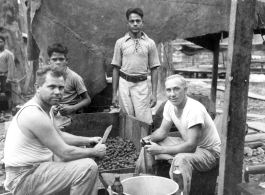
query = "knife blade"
x=106 y=134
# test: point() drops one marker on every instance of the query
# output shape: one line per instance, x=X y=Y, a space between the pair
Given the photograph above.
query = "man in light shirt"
x=6 y=68
x=135 y=57
x=199 y=145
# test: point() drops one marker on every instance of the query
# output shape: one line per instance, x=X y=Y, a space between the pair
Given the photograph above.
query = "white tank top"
x=20 y=150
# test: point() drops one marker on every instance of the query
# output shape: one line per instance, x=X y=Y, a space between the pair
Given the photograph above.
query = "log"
x=254 y=144
x=255 y=137
x=250 y=131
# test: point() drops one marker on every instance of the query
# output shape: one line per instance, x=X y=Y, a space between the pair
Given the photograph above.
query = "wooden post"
x=161 y=78
x=242 y=18
x=170 y=59
x=215 y=69
x=133 y=129
x=167 y=59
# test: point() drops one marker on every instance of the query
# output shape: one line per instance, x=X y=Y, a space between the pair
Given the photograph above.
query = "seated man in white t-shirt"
x=199 y=147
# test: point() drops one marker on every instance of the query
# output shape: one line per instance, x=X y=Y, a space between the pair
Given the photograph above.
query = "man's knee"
x=182 y=160
x=87 y=165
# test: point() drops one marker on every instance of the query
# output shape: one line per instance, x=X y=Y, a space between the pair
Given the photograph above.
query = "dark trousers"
x=5 y=87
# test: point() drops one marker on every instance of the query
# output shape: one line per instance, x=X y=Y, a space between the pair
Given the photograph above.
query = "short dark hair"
x=57 y=48
x=3 y=38
x=136 y=10
x=55 y=71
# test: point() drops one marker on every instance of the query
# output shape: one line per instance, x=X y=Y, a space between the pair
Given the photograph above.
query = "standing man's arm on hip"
x=115 y=84
x=154 y=79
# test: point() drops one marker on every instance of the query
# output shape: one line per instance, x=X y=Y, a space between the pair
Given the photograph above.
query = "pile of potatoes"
x=121 y=153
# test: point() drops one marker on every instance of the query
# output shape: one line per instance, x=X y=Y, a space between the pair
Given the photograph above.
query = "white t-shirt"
x=194 y=113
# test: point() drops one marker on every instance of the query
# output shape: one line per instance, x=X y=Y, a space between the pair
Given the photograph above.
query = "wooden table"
x=252 y=188
x=195 y=70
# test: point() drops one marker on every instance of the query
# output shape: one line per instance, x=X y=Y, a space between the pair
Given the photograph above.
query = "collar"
x=67 y=70
x=127 y=36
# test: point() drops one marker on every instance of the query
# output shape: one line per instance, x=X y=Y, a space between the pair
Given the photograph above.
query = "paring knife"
x=106 y=134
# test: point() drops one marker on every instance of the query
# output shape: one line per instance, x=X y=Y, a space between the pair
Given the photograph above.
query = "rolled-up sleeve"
x=153 y=56
x=117 y=56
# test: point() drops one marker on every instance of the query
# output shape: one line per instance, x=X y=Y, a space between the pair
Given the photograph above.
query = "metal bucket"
x=149 y=185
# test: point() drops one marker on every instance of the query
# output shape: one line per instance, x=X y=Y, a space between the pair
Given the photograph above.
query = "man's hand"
x=94 y=140
x=146 y=139
x=153 y=149
x=153 y=100
x=66 y=110
x=115 y=101
x=55 y=109
x=100 y=150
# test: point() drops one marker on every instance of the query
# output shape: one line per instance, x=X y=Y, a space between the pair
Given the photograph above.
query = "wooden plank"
x=96 y=132
x=122 y=170
x=235 y=98
x=198 y=70
x=250 y=94
x=135 y=130
x=250 y=131
x=255 y=144
x=91 y=121
x=255 y=137
x=248 y=115
x=122 y=122
x=256 y=126
x=251 y=188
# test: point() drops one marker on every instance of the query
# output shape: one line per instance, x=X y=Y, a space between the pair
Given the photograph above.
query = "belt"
x=11 y=169
x=134 y=79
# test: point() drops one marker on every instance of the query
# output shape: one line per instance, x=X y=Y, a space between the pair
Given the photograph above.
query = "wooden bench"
x=252 y=188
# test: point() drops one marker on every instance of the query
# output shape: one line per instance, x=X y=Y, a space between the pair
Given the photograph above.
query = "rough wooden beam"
x=242 y=16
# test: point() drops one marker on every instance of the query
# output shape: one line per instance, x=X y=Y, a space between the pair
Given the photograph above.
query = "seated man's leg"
x=79 y=176
x=201 y=160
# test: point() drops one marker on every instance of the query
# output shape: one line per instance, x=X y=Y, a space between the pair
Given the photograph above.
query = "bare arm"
x=154 y=79
x=69 y=109
x=78 y=140
x=45 y=132
x=189 y=146
x=84 y=102
x=115 y=84
x=161 y=133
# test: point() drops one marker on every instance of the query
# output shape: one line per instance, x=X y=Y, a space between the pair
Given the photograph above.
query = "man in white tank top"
x=32 y=139
x=199 y=145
